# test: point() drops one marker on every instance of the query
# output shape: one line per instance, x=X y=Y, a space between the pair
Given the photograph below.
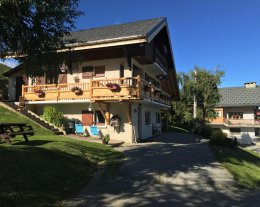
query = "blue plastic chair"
x=79 y=129
x=94 y=131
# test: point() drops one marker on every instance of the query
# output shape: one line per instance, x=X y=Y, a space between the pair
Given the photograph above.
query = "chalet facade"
x=125 y=71
x=238 y=113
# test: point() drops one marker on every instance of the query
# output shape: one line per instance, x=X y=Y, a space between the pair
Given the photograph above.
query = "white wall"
x=246 y=136
x=146 y=130
x=112 y=67
x=248 y=112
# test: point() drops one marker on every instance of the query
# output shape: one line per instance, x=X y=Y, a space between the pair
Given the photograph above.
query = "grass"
x=49 y=168
x=244 y=165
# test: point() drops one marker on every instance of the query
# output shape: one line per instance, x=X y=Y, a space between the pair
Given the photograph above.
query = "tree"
x=30 y=29
x=3 y=80
x=204 y=86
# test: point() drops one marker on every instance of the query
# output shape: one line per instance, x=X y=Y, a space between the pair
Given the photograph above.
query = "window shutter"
x=87 y=72
x=100 y=71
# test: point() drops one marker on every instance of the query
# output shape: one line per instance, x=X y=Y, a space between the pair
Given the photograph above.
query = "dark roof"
x=17 y=69
x=239 y=96
x=118 y=31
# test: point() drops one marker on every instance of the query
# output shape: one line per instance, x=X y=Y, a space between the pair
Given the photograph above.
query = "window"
x=158 y=117
x=257 y=130
x=235 y=115
x=99 y=119
x=122 y=71
x=218 y=113
x=147 y=117
x=87 y=72
x=99 y=71
x=235 y=130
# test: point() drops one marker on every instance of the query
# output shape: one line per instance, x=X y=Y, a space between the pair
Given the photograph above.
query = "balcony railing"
x=242 y=122
x=55 y=92
x=160 y=59
x=99 y=90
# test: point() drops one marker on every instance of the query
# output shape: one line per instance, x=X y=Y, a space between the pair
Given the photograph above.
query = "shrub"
x=218 y=138
x=206 y=131
x=52 y=115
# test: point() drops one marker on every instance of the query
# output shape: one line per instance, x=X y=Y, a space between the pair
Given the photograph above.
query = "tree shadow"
x=33 y=142
x=176 y=170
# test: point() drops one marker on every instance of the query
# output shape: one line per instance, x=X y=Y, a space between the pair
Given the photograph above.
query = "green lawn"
x=243 y=164
x=49 y=168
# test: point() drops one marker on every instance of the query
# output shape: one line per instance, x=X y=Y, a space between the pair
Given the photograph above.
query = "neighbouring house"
x=238 y=112
x=122 y=79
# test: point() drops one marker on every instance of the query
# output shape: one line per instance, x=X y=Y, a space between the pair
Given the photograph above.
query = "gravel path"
x=174 y=170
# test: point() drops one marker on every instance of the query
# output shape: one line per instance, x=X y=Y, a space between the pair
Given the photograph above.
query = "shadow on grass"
x=36 y=176
x=225 y=154
x=33 y=142
x=243 y=164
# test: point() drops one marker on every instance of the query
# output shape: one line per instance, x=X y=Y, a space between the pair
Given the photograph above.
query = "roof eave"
x=105 y=43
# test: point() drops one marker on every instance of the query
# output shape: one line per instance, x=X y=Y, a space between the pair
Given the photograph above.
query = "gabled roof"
x=239 y=96
x=126 y=31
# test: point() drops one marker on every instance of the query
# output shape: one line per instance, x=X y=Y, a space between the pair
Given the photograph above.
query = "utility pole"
x=195 y=98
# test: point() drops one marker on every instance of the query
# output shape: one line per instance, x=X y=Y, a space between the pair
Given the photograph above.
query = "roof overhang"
x=238 y=105
x=104 y=43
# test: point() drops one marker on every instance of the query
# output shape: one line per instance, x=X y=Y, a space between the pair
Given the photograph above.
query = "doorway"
x=18 y=87
x=87 y=118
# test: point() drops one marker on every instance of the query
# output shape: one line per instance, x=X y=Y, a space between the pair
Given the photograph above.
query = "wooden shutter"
x=87 y=118
x=87 y=72
x=62 y=78
x=40 y=80
x=100 y=71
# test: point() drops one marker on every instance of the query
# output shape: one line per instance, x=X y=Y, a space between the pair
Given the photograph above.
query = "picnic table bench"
x=8 y=130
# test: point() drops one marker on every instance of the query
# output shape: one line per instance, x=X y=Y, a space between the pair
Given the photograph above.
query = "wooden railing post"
x=138 y=86
x=90 y=89
x=58 y=92
x=23 y=90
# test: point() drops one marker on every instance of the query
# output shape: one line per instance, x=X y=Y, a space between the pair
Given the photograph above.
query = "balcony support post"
x=23 y=90
x=102 y=112
x=107 y=114
x=128 y=113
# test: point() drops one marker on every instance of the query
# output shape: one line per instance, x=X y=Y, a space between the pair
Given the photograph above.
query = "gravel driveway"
x=174 y=170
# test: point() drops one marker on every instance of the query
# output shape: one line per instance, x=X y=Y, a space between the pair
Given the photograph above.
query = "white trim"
x=147 y=100
x=87 y=46
x=57 y=102
x=150 y=38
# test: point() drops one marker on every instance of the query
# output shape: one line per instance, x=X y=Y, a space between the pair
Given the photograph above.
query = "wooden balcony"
x=242 y=122
x=53 y=92
x=99 y=90
x=160 y=59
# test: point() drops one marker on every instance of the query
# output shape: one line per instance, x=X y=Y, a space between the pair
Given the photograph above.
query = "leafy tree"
x=3 y=80
x=31 y=29
x=204 y=85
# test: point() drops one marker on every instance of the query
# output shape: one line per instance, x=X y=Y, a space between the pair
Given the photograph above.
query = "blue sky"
x=206 y=33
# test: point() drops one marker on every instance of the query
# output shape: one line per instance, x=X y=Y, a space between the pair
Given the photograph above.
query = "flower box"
x=113 y=86
x=77 y=90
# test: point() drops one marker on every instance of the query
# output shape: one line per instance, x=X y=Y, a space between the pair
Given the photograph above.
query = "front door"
x=87 y=118
x=18 y=87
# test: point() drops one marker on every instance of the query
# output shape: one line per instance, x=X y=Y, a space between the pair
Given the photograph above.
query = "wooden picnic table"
x=8 y=130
